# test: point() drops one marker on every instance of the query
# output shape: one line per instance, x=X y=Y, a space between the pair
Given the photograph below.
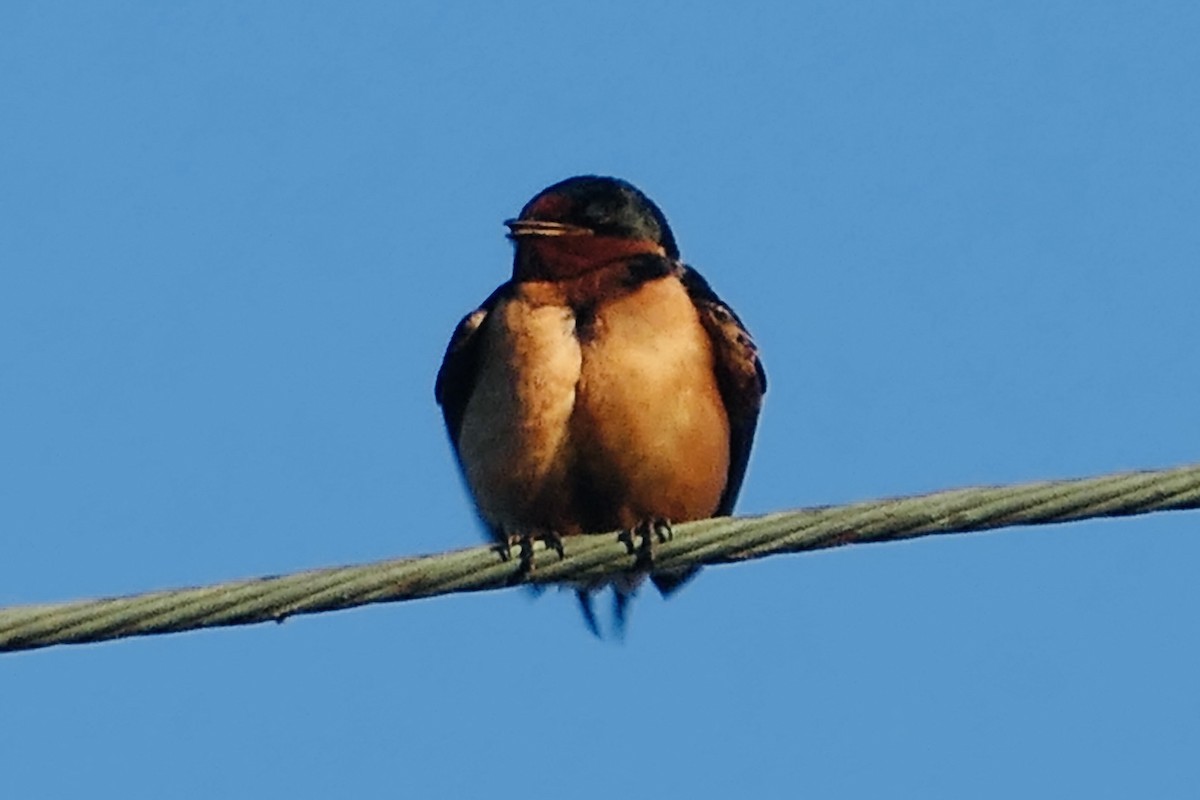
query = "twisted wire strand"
x=589 y=560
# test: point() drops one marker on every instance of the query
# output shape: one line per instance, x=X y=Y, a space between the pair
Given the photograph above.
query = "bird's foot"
x=523 y=543
x=642 y=539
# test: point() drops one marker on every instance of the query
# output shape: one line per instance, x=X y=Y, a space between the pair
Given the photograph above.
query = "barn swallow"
x=604 y=387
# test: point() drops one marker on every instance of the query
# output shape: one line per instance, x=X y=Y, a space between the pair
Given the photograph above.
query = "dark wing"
x=740 y=377
x=460 y=366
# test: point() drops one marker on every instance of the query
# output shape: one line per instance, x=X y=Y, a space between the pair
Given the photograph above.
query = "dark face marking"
x=564 y=257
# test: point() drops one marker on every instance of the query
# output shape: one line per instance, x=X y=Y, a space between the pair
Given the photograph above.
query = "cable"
x=589 y=560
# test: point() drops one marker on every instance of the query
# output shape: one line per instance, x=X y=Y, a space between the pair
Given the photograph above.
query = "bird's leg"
x=524 y=544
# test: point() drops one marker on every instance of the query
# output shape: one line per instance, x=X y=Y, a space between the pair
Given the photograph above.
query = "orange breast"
x=650 y=432
x=585 y=431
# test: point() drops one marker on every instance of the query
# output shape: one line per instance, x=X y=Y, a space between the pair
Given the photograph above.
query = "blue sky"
x=234 y=238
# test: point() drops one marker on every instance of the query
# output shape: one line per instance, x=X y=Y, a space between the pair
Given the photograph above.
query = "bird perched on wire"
x=603 y=387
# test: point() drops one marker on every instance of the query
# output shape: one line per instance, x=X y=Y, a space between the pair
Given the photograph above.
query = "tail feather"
x=589 y=613
x=621 y=601
x=668 y=583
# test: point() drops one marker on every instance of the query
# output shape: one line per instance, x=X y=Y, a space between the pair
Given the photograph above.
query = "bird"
x=603 y=387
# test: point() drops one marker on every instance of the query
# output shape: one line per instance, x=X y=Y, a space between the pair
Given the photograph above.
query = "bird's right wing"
x=460 y=366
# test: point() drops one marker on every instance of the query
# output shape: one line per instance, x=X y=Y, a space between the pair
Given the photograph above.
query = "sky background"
x=236 y=236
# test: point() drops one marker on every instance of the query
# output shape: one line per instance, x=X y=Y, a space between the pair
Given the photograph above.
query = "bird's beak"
x=518 y=228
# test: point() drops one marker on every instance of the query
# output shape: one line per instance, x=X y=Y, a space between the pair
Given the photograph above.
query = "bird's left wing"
x=742 y=383
x=740 y=377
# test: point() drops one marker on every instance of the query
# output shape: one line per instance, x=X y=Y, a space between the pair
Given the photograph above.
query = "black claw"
x=524 y=543
x=650 y=533
x=554 y=542
x=647 y=534
x=626 y=538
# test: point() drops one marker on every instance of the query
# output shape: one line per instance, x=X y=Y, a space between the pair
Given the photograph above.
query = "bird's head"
x=584 y=223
